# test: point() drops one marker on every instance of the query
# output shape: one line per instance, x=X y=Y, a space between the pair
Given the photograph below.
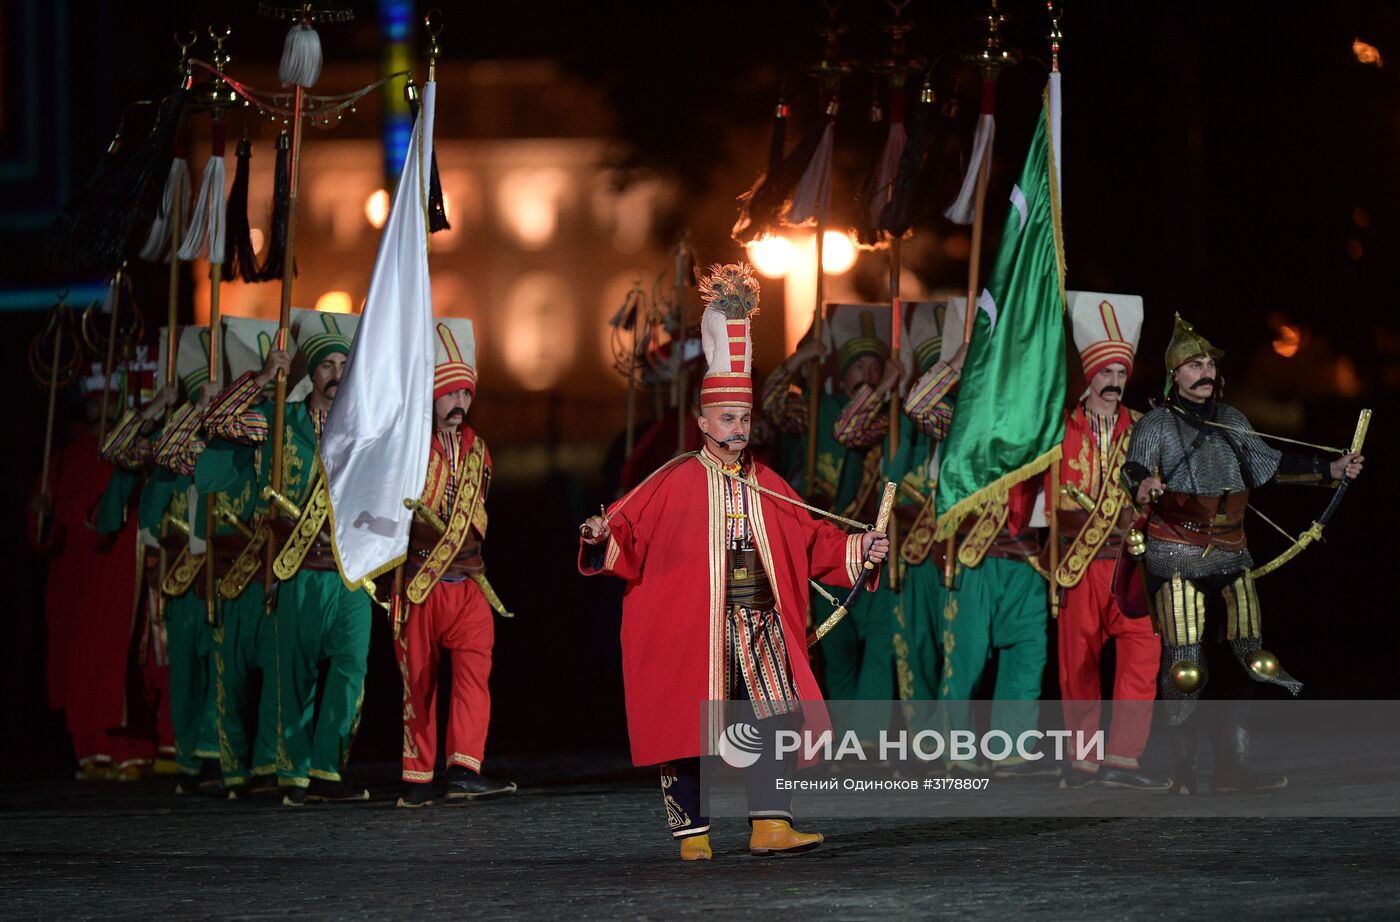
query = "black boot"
x=1184 y=739
x=465 y=784
x=417 y=795
x=335 y=792
x=1233 y=773
x=1132 y=779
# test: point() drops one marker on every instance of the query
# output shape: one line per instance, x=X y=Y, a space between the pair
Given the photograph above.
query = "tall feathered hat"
x=1186 y=344
x=731 y=298
x=1106 y=329
x=455 y=356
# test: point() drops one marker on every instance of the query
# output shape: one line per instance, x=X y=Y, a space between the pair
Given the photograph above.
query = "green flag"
x=1009 y=420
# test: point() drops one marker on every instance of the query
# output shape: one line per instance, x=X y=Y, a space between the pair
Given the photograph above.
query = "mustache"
x=457 y=413
x=1202 y=382
x=1111 y=389
x=331 y=384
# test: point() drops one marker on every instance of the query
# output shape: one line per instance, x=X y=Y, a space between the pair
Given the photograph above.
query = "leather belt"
x=1201 y=521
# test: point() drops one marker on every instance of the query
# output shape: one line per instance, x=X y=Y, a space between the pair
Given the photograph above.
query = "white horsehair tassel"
x=177 y=188
x=963 y=210
x=206 y=229
x=301 y=57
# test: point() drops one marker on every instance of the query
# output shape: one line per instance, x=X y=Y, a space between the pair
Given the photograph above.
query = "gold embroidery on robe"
x=470 y=479
x=308 y=527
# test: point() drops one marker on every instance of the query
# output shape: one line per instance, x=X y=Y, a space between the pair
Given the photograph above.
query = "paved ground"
x=594 y=848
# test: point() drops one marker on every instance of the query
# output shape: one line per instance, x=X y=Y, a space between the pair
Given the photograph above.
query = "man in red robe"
x=82 y=523
x=716 y=601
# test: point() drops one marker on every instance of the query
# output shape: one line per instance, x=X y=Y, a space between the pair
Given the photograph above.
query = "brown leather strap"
x=1201 y=521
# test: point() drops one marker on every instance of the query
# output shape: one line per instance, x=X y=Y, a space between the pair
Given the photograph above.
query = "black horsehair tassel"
x=95 y=232
x=274 y=262
x=240 y=259
x=898 y=214
x=775 y=160
x=769 y=201
x=437 y=211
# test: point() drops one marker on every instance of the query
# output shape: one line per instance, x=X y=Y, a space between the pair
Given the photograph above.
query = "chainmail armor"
x=1161 y=440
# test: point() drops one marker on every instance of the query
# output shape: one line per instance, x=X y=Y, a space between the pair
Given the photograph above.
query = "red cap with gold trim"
x=731 y=298
x=1106 y=329
x=455 y=347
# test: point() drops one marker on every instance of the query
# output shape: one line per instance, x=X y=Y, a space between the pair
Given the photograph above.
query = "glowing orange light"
x=1287 y=341
x=772 y=256
x=1347 y=380
x=334 y=302
x=838 y=253
x=1367 y=53
x=377 y=208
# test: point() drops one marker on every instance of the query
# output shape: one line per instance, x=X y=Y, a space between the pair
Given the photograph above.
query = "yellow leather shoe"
x=696 y=848
x=165 y=767
x=777 y=837
x=93 y=770
x=130 y=771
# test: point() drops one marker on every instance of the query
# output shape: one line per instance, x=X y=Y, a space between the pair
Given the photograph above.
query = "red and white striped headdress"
x=731 y=298
x=1106 y=329
x=455 y=350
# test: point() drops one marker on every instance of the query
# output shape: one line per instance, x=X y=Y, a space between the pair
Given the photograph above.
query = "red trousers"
x=1089 y=618
x=455 y=618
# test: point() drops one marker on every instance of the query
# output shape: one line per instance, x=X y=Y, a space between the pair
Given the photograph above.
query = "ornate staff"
x=991 y=59
x=868 y=568
x=208 y=233
x=56 y=375
x=896 y=66
x=106 y=346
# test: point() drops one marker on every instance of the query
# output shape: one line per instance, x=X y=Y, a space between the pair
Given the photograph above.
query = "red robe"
x=90 y=595
x=667 y=542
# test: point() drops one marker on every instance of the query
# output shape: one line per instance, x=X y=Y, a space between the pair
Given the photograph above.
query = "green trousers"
x=193 y=710
x=860 y=659
x=317 y=620
x=1001 y=608
x=918 y=644
x=245 y=647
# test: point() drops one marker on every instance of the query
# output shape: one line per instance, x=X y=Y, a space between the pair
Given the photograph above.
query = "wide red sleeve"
x=631 y=521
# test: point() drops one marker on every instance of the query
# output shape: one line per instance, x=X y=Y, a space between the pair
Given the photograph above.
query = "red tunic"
x=667 y=542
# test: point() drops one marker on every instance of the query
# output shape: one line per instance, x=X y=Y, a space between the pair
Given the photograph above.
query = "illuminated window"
x=529 y=199
x=539 y=322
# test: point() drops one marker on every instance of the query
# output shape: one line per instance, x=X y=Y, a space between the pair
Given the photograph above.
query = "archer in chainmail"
x=1194 y=461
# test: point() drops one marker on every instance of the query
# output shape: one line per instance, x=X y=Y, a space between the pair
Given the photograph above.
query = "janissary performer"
x=716 y=603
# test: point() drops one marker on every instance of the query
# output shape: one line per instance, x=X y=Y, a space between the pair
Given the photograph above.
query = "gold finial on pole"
x=433 y=23
x=1056 y=36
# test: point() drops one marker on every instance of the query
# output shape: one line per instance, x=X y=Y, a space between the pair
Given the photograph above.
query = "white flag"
x=376 y=441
